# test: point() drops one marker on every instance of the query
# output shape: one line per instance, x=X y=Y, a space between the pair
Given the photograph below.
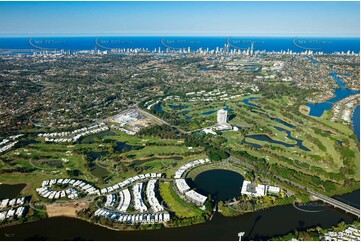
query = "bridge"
x=335 y=203
x=347 y=208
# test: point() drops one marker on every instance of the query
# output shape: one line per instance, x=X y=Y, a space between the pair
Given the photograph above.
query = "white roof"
x=199 y=198
x=182 y=185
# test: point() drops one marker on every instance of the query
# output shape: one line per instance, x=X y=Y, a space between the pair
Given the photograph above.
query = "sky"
x=328 y=19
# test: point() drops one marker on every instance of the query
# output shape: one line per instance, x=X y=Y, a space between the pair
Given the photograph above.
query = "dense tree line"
x=161 y=131
x=213 y=145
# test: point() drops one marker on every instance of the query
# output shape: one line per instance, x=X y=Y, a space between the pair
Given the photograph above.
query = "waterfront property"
x=17 y=208
x=12 y=213
x=182 y=185
x=195 y=197
x=252 y=188
x=258 y=190
x=134 y=218
x=280 y=99
x=190 y=195
x=179 y=173
x=5 y=203
x=349 y=234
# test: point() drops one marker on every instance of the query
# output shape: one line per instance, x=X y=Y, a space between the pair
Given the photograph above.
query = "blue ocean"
x=295 y=44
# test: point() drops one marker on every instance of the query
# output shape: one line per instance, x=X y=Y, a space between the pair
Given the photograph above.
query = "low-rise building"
x=253 y=189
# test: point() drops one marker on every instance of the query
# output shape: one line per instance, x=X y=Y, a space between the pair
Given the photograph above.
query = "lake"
x=220 y=184
x=299 y=142
x=266 y=138
x=178 y=106
x=246 y=101
x=95 y=169
x=10 y=190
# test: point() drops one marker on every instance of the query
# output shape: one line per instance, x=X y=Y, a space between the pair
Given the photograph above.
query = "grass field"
x=182 y=208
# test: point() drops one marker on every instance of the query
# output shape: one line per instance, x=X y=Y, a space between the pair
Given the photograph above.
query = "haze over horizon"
x=265 y=19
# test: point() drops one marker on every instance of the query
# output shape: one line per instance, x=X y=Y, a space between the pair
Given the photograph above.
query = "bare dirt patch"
x=65 y=209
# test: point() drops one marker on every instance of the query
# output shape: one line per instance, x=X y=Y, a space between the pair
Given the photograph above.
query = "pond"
x=140 y=162
x=278 y=120
x=246 y=101
x=209 y=112
x=178 y=106
x=90 y=139
x=158 y=107
x=266 y=138
x=226 y=108
x=299 y=142
x=11 y=190
x=184 y=112
x=95 y=169
x=254 y=145
x=123 y=146
x=95 y=155
x=54 y=163
x=98 y=171
x=282 y=122
x=204 y=69
x=219 y=183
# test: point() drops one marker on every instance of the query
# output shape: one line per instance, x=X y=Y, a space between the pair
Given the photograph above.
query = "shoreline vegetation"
x=232 y=208
x=331 y=166
x=314 y=233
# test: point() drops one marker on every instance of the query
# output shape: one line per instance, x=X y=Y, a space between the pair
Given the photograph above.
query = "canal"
x=317 y=109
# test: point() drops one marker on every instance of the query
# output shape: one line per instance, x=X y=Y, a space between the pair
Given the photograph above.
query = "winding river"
x=259 y=225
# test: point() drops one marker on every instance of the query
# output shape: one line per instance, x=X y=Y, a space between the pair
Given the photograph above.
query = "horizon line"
x=61 y=35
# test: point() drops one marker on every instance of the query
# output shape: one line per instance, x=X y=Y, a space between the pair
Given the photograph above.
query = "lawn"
x=175 y=203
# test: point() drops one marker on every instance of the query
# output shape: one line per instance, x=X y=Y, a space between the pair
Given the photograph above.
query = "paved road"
x=160 y=120
x=347 y=208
